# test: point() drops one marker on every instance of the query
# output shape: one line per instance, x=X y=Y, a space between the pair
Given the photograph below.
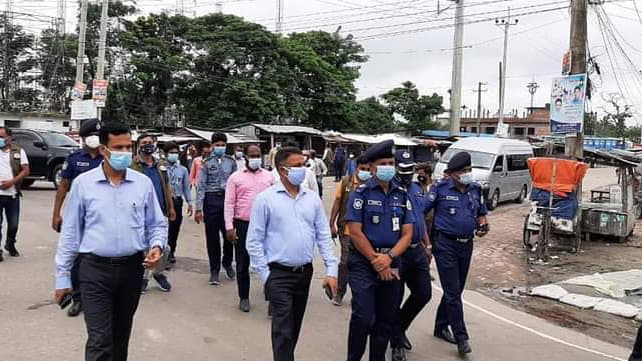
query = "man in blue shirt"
x=415 y=262
x=77 y=163
x=210 y=206
x=460 y=214
x=381 y=220
x=179 y=185
x=286 y=223
x=112 y=216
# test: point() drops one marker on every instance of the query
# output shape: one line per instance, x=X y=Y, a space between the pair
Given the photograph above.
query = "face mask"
x=239 y=155
x=405 y=178
x=385 y=173
x=364 y=175
x=92 y=141
x=422 y=179
x=219 y=151
x=466 y=178
x=296 y=175
x=148 y=149
x=120 y=160
x=3 y=142
x=254 y=163
x=172 y=157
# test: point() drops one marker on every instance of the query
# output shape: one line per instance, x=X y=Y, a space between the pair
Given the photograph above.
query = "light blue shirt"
x=213 y=177
x=286 y=230
x=108 y=220
x=179 y=181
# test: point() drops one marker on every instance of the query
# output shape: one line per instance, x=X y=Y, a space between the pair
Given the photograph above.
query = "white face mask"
x=92 y=141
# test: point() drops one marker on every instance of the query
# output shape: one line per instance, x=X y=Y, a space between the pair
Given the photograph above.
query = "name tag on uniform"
x=452 y=198
x=395 y=224
x=375 y=203
x=82 y=164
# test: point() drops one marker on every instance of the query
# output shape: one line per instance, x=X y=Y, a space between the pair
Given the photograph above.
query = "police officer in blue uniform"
x=381 y=221
x=460 y=214
x=77 y=163
x=415 y=262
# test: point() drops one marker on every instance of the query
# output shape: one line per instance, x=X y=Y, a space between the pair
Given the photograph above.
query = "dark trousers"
x=287 y=293
x=214 y=228
x=175 y=225
x=338 y=170
x=416 y=275
x=343 y=264
x=453 y=262
x=242 y=260
x=110 y=295
x=636 y=355
x=320 y=184
x=374 y=306
x=10 y=206
x=75 y=282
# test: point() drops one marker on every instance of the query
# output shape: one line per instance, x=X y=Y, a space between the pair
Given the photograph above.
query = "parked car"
x=499 y=166
x=46 y=151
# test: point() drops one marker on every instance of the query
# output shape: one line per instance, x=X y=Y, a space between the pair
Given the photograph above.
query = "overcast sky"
x=413 y=40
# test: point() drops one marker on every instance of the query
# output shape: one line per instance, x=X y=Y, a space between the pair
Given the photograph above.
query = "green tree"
x=372 y=117
x=418 y=110
x=15 y=62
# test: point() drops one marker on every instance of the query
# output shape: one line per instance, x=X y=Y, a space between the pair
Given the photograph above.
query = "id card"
x=395 y=224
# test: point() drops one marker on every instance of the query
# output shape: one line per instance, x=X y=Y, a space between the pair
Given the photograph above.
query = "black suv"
x=46 y=151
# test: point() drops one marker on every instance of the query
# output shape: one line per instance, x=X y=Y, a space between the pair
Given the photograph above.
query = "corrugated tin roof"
x=287 y=129
x=399 y=140
x=232 y=138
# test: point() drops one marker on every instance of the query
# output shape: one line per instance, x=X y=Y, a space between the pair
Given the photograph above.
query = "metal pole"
x=279 y=16
x=80 y=60
x=532 y=89
x=479 y=107
x=100 y=71
x=503 y=83
x=458 y=57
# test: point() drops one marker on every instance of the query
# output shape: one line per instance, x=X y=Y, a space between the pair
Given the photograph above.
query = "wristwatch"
x=390 y=254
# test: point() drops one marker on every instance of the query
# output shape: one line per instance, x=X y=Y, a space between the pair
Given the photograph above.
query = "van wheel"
x=494 y=200
x=522 y=195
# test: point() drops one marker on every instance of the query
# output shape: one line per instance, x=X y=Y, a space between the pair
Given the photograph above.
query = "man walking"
x=14 y=167
x=320 y=170
x=287 y=222
x=180 y=189
x=77 y=163
x=210 y=205
x=242 y=188
x=339 y=162
x=112 y=216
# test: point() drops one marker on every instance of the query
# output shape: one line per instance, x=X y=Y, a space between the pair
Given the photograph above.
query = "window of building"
x=517 y=162
x=531 y=131
x=65 y=123
x=519 y=131
x=490 y=130
x=12 y=123
x=473 y=129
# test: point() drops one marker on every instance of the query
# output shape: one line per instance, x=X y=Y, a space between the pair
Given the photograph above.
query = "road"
x=198 y=322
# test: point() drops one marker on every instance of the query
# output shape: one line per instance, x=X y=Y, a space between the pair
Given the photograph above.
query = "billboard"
x=99 y=92
x=78 y=91
x=567 y=104
x=83 y=109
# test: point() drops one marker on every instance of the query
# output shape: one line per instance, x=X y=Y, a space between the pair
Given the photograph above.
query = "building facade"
x=39 y=121
x=536 y=124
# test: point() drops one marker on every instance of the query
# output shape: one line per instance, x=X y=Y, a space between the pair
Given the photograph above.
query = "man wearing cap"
x=77 y=163
x=381 y=221
x=460 y=214
x=415 y=262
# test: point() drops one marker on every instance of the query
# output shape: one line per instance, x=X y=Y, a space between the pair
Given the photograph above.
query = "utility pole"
x=218 y=6
x=80 y=60
x=8 y=25
x=279 y=16
x=504 y=23
x=100 y=71
x=479 y=92
x=62 y=17
x=532 y=89
x=578 y=41
x=458 y=58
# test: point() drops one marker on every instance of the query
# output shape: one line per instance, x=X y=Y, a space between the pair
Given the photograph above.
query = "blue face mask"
x=296 y=175
x=172 y=157
x=466 y=178
x=254 y=163
x=385 y=173
x=120 y=160
x=364 y=175
x=219 y=151
x=239 y=155
x=3 y=142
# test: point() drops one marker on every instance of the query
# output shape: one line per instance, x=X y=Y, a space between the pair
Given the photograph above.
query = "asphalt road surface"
x=197 y=322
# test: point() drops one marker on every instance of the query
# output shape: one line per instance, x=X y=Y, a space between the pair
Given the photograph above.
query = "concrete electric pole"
x=82 y=26
x=506 y=24
x=532 y=89
x=102 y=40
x=578 y=41
x=479 y=92
x=279 y=16
x=458 y=59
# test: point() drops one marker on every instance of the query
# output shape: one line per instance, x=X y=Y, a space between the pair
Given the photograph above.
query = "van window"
x=517 y=162
x=499 y=164
x=478 y=159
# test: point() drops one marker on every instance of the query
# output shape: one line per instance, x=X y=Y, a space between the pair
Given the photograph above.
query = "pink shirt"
x=242 y=188
x=197 y=164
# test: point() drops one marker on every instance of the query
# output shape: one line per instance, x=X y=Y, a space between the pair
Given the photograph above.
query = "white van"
x=499 y=166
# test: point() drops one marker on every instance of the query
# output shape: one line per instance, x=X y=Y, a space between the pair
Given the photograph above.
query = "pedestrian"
x=14 y=167
x=210 y=204
x=460 y=214
x=351 y=168
x=636 y=354
x=77 y=163
x=156 y=171
x=239 y=156
x=381 y=221
x=242 y=189
x=112 y=216
x=415 y=262
x=287 y=222
x=179 y=186
x=320 y=170
x=339 y=162
x=310 y=182
x=338 y=225
x=424 y=179
x=203 y=150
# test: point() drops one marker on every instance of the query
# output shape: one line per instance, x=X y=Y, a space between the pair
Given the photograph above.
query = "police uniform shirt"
x=456 y=213
x=382 y=215
x=417 y=199
x=78 y=163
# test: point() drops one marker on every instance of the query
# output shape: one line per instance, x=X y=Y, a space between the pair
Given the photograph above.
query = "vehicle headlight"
x=483 y=183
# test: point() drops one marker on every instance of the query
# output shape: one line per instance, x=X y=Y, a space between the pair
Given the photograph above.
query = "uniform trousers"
x=636 y=355
x=453 y=262
x=215 y=227
x=374 y=306
x=110 y=293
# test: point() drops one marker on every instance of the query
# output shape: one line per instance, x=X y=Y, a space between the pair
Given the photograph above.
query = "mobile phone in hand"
x=328 y=292
x=66 y=301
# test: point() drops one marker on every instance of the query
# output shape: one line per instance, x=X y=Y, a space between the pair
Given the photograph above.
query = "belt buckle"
x=298 y=269
x=463 y=240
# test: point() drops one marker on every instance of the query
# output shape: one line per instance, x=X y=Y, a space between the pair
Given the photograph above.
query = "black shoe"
x=171 y=258
x=214 y=280
x=464 y=348
x=162 y=281
x=1 y=257
x=229 y=272
x=399 y=354
x=244 y=305
x=269 y=310
x=75 y=309
x=446 y=335
x=405 y=343
x=143 y=287
x=13 y=252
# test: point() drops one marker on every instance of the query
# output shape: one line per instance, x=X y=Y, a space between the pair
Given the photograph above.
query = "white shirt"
x=5 y=170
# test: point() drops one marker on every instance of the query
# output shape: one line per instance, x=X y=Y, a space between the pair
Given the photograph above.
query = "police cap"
x=405 y=161
x=458 y=162
x=380 y=150
x=88 y=127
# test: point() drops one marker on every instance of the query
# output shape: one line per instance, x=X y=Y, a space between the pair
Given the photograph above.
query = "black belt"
x=215 y=193
x=291 y=269
x=112 y=260
x=455 y=238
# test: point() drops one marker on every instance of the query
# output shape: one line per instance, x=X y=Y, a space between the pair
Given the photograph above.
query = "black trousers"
x=636 y=355
x=110 y=295
x=214 y=228
x=287 y=293
x=175 y=225
x=10 y=206
x=75 y=283
x=242 y=260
